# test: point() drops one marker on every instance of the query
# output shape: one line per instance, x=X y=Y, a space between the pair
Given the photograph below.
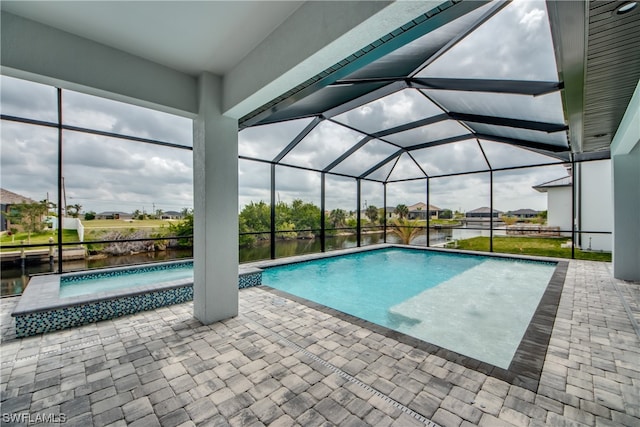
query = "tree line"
x=295 y=220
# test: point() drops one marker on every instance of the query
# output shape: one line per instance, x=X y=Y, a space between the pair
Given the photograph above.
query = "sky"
x=100 y=173
x=111 y=174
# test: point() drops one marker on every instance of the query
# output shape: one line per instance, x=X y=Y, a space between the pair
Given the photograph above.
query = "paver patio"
x=284 y=363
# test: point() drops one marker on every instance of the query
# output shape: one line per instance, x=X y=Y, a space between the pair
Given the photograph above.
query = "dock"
x=42 y=255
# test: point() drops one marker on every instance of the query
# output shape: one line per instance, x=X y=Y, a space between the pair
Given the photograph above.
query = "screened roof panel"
x=267 y=141
x=506 y=155
x=553 y=138
x=430 y=88
x=322 y=100
x=365 y=158
x=542 y=108
x=393 y=110
x=406 y=168
x=382 y=173
x=403 y=61
x=428 y=133
x=514 y=44
x=456 y=157
x=324 y=144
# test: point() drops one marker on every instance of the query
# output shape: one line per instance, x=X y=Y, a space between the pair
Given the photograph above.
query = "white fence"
x=68 y=224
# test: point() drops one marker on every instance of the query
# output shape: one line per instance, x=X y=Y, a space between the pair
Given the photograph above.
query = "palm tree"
x=402 y=211
x=74 y=210
x=337 y=218
x=405 y=229
x=371 y=213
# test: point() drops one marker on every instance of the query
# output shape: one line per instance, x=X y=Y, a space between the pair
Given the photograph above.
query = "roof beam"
x=523 y=143
x=346 y=154
x=412 y=125
x=518 y=87
x=420 y=26
x=592 y=155
x=503 y=121
x=297 y=139
x=382 y=163
x=569 y=29
x=366 y=98
x=441 y=142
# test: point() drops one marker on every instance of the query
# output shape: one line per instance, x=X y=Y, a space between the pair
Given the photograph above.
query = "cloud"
x=100 y=173
x=533 y=20
x=103 y=114
x=21 y=98
x=29 y=160
x=112 y=174
x=325 y=143
x=514 y=44
x=267 y=141
x=390 y=111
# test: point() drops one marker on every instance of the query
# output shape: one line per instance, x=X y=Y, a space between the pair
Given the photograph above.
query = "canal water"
x=13 y=278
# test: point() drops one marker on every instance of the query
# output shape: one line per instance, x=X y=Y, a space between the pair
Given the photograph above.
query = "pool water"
x=476 y=306
x=126 y=279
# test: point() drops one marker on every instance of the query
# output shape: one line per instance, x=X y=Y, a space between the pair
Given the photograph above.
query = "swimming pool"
x=114 y=280
x=474 y=305
x=53 y=302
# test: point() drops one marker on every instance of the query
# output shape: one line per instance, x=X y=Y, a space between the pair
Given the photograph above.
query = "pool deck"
x=281 y=362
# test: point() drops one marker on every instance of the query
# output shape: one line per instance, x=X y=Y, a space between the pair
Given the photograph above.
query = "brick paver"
x=283 y=363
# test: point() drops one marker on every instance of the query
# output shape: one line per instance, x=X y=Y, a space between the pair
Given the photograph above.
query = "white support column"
x=215 y=240
x=625 y=161
x=626 y=218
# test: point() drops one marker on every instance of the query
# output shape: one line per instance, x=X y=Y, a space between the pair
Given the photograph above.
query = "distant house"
x=483 y=212
x=114 y=215
x=419 y=211
x=559 y=206
x=172 y=215
x=8 y=198
x=390 y=212
x=523 y=213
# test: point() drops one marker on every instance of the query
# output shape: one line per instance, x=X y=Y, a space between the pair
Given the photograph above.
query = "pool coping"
x=43 y=291
x=526 y=366
x=41 y=309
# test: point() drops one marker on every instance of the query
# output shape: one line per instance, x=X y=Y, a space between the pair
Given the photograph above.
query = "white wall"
x=625 y=156
x=68 y=224
x=596 y=204
x=559 y=208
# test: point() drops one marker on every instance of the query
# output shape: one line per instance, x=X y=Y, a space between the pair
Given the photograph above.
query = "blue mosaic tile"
x=79 y=277
x=68 y=317
x=77 y=315
x=249 y=280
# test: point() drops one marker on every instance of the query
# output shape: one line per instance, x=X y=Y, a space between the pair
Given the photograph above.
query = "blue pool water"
x=367 y=284
x=477 y=306
x=124 y=279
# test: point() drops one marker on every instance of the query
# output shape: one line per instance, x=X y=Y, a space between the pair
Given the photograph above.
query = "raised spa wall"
x=41 y=310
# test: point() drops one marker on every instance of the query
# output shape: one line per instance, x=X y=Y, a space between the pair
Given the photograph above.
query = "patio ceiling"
x=470 y=83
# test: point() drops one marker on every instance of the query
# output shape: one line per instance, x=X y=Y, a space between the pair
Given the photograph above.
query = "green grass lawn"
x=444 y=222
x=97 y=228
x=119 y=223
x=37 y=238
x=538 y=246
